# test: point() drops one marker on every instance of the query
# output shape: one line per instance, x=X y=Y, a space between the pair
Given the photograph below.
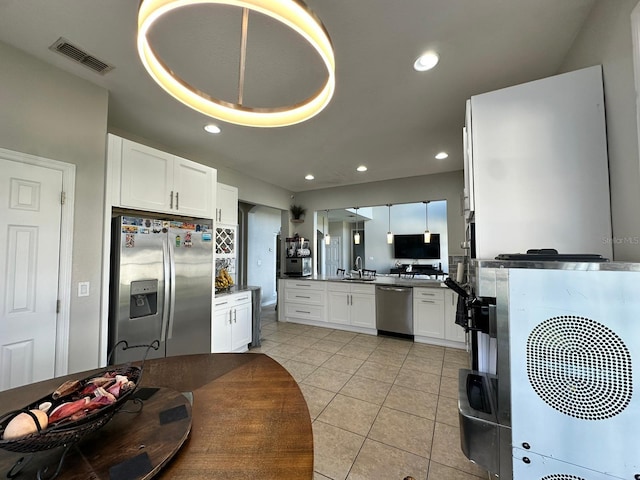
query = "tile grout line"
x=392 y=384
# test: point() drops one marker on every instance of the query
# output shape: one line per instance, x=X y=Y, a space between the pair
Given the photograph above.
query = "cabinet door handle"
x=171 y=200
x=302 y=311
x=177 y=199
x=301 y=296
x=230 y=317
x=428 y=301
x=235 y=316
x=302 y=285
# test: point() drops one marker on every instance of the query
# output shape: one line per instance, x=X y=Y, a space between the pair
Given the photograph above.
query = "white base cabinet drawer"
x=308 y=297
x=304 y=285
x=305 y=312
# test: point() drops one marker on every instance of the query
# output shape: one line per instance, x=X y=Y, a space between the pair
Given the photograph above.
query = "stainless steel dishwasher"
x=394 y=309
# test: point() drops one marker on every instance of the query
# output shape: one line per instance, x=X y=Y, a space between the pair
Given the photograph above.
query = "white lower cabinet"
x=352 y=304
x=434 y=312
x=231 y=324
x=428 y=312
x=302 y=301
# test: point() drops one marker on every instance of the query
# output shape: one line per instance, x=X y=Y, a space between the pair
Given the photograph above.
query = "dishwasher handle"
x=395 y=289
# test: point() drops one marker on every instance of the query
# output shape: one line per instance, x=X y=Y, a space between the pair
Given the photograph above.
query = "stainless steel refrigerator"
x=161 y=286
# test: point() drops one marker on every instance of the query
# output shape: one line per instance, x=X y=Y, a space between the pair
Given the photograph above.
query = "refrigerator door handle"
x=165 y=307
x=172 y=288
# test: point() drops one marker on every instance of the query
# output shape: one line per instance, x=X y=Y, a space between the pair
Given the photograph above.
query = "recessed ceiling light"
x=309 y=177
x=361 y=168
x=442 y=155
x=211 y=128
x=426 y=61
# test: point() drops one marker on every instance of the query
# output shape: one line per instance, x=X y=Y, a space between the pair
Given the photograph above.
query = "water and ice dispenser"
x=143 y=300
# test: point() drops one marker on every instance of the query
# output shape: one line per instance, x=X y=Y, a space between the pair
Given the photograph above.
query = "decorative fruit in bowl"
x=223 y=279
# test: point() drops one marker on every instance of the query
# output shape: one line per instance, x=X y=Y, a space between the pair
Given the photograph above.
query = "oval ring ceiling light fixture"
x=292 y=13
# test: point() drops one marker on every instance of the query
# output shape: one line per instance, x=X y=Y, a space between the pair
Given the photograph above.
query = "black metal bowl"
x=68 y=431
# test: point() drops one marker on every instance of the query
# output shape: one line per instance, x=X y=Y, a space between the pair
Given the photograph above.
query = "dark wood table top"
x=249 y=418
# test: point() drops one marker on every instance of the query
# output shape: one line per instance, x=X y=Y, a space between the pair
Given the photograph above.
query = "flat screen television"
x=413 y=246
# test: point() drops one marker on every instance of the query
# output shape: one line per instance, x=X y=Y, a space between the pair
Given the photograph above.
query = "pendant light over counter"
x=327 y=237
x=427 y=233
x=356 y=236
x=389 y=234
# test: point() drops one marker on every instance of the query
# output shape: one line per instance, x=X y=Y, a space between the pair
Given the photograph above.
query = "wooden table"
x=249 y=418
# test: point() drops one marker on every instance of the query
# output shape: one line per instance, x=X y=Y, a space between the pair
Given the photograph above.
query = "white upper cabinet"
x=193 y=184
x=148 y=179
x=226 y=204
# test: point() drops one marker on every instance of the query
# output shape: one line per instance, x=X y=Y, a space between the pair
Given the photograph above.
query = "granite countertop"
x=235 y=289
x=377 y=280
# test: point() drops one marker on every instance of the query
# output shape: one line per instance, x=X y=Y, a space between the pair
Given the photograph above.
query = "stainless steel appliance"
x=298 y=257
x=298 y=266
x=574 y=348
x=394 y=310
x=561 y=403
x=161 y=286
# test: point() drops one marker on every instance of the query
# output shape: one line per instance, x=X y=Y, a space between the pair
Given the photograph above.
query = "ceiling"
x=384 y=114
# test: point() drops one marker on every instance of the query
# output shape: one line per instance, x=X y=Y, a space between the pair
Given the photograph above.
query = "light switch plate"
x=83 y=289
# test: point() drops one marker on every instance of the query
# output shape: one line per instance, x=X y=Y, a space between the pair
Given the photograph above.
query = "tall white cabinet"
x=536 y=167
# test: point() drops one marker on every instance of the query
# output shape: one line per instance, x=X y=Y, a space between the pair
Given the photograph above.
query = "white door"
x=30 y=216
x=363 y=310
x=241 y=332
x=333 y=255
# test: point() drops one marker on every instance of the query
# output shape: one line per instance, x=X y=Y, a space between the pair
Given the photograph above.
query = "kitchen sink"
x=358 y=279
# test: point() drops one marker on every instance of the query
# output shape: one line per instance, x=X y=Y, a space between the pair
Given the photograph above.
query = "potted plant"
x=297 y=212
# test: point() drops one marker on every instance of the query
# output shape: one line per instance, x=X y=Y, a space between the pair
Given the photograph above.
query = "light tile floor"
x=382 y=408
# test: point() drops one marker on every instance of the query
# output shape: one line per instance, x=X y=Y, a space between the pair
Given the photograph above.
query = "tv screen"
x=413 y=246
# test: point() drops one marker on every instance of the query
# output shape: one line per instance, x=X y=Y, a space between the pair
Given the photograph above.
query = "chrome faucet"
x=358 y=265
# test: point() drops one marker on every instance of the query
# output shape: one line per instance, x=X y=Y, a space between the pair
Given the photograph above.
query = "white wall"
x=442 y=186
x=606 y=40
x=52 y=114
x=263 y=226
x=406 y=218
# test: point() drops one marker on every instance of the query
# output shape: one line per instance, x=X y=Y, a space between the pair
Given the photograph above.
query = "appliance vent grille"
x=64 y=47
x=579 y=367
x=561 y=476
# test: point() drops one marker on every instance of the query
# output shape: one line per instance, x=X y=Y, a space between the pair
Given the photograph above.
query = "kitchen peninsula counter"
x=249 y=420
x=354 y=305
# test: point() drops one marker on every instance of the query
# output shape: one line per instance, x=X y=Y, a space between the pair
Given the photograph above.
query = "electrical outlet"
x=83 y=289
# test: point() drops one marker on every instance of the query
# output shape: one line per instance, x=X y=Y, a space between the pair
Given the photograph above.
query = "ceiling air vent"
x=63 y=47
